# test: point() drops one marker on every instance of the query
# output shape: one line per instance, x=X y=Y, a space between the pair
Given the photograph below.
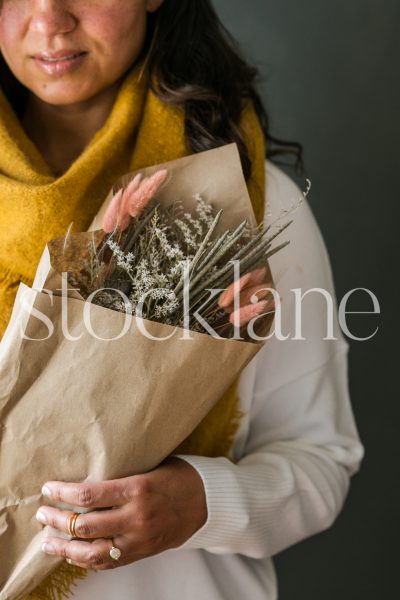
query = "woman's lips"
x=59 y=63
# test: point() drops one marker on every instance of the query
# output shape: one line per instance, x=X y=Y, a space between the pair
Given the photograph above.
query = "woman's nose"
x=51 y=17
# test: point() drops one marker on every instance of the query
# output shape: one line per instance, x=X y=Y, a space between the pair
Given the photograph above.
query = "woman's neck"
x=62 y=132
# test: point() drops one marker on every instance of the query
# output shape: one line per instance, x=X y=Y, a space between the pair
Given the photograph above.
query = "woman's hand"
x=145 y=515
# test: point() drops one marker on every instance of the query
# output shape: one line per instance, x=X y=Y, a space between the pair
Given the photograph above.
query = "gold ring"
x=71 y=524
x=114 y=552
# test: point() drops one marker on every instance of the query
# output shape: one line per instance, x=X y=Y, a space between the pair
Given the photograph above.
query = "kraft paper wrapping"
x=83 y=409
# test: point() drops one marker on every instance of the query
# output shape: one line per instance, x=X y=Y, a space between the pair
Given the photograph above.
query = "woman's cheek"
x=12 y=26
x=117 y=24
x=10 y=17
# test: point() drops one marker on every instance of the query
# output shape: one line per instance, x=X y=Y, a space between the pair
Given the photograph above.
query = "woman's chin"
x=65 y=93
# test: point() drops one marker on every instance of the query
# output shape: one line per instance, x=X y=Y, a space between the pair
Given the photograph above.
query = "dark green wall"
x=331 y=71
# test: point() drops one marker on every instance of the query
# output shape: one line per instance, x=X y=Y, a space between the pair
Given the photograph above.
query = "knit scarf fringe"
x=232 y=429
x=58 y=584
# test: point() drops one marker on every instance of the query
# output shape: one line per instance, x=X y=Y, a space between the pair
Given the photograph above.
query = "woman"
x=92 y=89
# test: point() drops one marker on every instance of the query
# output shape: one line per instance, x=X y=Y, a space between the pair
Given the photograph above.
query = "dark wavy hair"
x=195 y=62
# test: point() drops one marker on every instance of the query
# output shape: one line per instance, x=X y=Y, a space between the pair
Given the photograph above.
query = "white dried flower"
x=197 y=226
x=204 y=210
x=124 y=261
x=187 y=234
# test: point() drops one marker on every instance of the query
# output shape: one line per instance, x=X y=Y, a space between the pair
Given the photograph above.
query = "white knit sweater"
x=294 y=453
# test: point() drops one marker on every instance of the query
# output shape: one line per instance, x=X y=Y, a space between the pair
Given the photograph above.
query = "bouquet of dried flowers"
x=162 y=262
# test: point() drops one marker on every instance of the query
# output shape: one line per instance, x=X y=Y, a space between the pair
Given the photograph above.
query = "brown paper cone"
x=84 y=409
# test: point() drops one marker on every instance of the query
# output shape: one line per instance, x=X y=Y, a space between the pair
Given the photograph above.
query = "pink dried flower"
x=246 y=286
x=243 y=315
x=137 y=199
x=131 y=201
x=247 y=294
x=110 y=216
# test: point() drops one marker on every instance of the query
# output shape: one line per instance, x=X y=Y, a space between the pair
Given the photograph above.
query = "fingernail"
x=41 y=517
x=48 y=548
x=46 y=491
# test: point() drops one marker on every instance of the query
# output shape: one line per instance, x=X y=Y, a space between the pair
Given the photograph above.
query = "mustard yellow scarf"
x=36 y=206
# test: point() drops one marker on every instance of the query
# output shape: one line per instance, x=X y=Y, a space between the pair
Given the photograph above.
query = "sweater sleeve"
x=293 y=473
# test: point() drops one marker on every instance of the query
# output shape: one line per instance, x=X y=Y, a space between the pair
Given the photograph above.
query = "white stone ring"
x=114 y=552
